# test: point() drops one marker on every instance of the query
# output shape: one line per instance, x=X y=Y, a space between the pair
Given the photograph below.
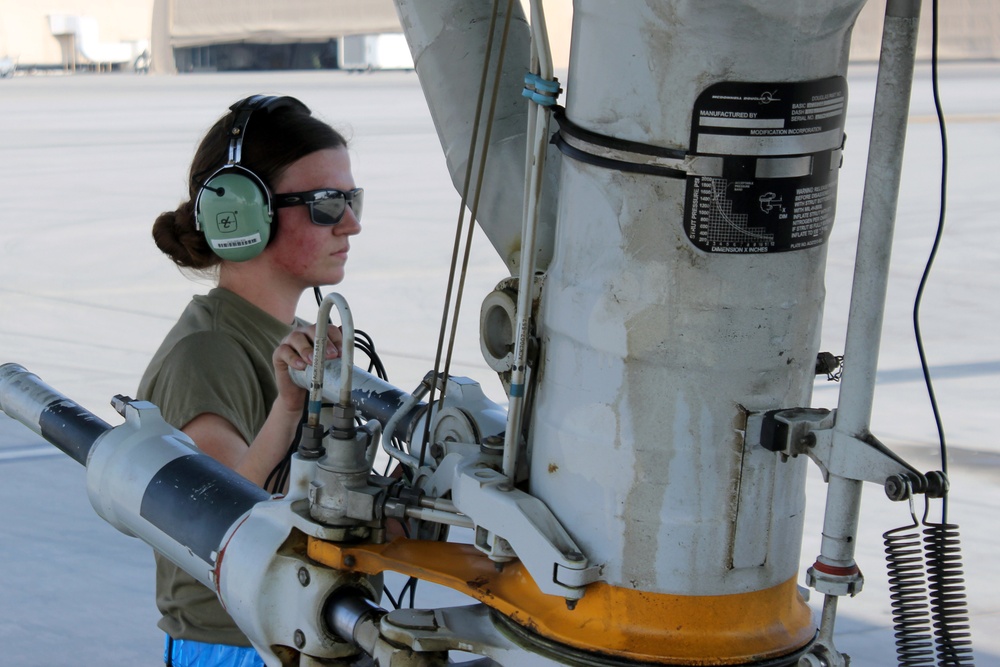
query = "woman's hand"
x=218 y=438
x=296 y=351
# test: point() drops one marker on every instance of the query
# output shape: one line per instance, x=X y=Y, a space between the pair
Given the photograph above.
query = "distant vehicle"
x=372 y=52
x=7 y=67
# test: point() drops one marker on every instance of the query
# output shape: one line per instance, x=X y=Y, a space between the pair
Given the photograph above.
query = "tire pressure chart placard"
x=771 y=153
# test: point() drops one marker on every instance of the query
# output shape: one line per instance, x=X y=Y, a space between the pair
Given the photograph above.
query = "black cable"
x=411 y=585
x=438 y=374
x=392 y=600
x=366 y=344
x=934 y=248
x=363 y=342
x=198 y=180
x=278 y=477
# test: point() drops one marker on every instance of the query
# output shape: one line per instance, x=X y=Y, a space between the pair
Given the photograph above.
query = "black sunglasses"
x=326 y=207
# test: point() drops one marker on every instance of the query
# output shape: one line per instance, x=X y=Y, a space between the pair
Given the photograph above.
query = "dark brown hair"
x=273 y=140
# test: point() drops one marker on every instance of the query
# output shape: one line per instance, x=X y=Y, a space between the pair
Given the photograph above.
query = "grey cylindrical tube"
x=64 y=423
x=345 y=611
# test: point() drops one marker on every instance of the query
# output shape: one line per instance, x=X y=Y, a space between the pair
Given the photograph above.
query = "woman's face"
x=311 y=254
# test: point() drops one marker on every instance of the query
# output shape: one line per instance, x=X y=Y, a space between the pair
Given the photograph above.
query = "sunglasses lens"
x=328 y=211
x=357 y=202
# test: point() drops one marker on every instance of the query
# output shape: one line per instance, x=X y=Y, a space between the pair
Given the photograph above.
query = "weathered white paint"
x=652 y=349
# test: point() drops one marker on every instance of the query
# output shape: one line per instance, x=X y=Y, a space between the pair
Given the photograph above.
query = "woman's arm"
x=218 y=438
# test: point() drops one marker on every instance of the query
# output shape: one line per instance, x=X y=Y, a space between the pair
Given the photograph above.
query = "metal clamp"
x=811 y=431
x=510 y=522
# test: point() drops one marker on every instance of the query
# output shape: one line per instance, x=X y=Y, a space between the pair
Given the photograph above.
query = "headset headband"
x=244 y=109
x=236 y=217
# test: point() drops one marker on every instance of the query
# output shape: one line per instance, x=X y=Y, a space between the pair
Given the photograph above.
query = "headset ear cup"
x=233 y=210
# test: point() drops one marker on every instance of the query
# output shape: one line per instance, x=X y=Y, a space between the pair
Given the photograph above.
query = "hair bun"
x=175 y=234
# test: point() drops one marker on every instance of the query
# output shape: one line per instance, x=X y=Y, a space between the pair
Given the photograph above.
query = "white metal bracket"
x=525 y=523
x=811 y=431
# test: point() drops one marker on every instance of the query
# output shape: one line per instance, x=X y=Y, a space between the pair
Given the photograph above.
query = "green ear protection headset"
x=234 y=208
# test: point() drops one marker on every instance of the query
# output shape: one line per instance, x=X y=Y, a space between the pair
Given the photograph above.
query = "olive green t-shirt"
x=216 y=359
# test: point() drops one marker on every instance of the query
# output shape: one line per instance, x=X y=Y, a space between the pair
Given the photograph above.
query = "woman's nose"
x=349 y=224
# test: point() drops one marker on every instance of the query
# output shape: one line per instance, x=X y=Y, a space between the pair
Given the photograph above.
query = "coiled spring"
x=926 y=589
x=908 y=593
x=947 y=592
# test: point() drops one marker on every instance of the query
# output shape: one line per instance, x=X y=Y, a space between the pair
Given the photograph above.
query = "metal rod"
x=374 y=398
x=391 y=426
x=319 y=354
x=871 y=270
x=440 y=516
x=538 y=135
x=346 y=611
x=63 y=422
x=867 y=310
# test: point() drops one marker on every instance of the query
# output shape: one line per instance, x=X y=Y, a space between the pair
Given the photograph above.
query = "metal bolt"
x=570 y=604
x=303 y=576
x=901 y=487
x=120 y=402
x=505 y=486
x=575 y=556
x=350 y=561
x=892 y=488
x=300 y=639
x=937 y=484
x=492 y=444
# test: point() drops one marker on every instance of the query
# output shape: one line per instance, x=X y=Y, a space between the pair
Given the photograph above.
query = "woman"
x=271 y=208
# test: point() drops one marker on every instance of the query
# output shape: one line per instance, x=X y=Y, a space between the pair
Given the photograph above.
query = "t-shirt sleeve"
x=207 y=372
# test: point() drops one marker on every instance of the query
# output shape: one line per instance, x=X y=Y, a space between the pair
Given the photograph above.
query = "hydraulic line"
x=473 y=209
x=918 y=299
x=405 y=408
x=319 y=354
x=538 y=133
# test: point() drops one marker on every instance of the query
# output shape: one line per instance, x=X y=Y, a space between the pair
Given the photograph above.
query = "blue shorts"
x=188 y=653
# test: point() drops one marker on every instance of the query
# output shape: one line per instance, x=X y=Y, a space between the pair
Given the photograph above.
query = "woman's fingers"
x=296 y=350
x=335 y=342
x=289 y=356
